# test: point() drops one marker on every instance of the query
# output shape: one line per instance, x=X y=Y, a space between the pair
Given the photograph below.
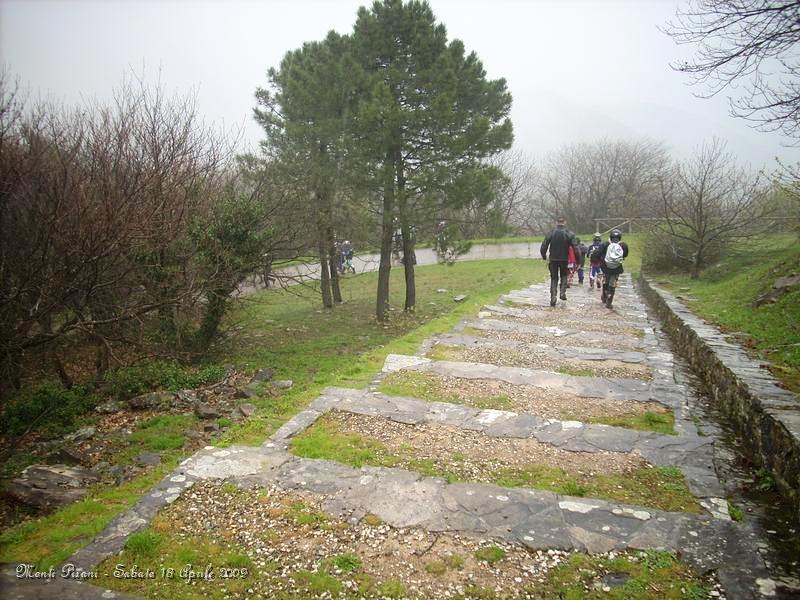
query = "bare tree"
x=109 y=216
x=750 y=41
x=511 y=208
x=588 y=181
x=707 y=203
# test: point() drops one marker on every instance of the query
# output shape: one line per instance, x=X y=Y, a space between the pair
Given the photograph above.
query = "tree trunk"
x=335 y=289
x=337 y=292
x=212 y=317
x=697 y=263
x=324 y=274
x=408 y=241
x=408 y=264
x=385 y=267
x=101 y=360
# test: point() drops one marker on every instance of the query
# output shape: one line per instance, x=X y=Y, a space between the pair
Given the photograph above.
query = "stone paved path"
x=709 y=541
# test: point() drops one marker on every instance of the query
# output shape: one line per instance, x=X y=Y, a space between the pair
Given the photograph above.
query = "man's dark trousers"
x=558 y=268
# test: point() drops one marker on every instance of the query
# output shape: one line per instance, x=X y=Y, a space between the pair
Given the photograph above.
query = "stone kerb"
x=765 y=416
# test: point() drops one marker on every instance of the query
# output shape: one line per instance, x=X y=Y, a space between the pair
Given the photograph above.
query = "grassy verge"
x=725 y=292
x=49 y=541
x=663 y=488
x=347 y=346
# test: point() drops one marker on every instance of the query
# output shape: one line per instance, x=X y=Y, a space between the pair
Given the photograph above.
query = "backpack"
x=614 y=254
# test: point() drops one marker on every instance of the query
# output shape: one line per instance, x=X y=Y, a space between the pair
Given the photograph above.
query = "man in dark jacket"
x=610 y=274
x=558 y=241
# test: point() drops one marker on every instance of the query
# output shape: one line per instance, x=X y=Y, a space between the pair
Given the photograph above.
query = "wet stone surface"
x=538 y=520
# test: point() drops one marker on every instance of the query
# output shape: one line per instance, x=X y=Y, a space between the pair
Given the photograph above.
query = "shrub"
x=663 y=253
x=126 y=382
x=48 y=407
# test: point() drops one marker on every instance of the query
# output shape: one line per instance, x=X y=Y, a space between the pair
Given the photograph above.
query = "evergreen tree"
x=302 y=115
x=430 y=118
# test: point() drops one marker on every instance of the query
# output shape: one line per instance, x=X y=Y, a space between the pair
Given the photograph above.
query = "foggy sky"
x=578 y=71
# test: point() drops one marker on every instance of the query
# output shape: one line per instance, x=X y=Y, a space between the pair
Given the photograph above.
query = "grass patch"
x=652 y=575
x=143 y=544
x=302 y=515
x=49 y=541
x=443 y=352
x=436 y=567
x=391 y=589
x=576 y=372
x=454 y=561
x=126 y=382
x=318 y=583
x=347 y=563
x=162 y=432
x=429 y=387
x=490 y=554
x=659 y=422
x=346 y=346
x=725 y=292
x=663 y=487
x=736 y=513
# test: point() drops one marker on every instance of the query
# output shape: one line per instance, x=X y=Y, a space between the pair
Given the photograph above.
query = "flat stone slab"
x=590 y=387
x=537 y=519
x=209 y=463
x=556 y=333
x=555 y=352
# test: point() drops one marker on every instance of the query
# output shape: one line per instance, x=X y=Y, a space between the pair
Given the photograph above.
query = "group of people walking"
x=567 y=256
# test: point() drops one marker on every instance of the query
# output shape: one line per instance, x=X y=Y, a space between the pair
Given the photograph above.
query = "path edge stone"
x=765 y=416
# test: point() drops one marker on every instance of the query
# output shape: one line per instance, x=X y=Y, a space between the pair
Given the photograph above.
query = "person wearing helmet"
x=559 y=241
x=581 y=259
x=611 y=253
x=346 y=259
x=595 y=270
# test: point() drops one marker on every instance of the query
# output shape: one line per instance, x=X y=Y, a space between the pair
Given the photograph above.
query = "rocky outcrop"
x=47 y=487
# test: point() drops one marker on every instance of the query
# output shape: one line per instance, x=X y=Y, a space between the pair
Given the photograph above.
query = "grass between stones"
x=220 y=543
x=538 y=358
x=287 y=331
x=464 y=456
x=426 y=386
x=659 y=422
x=653 y=574
x=501 y=395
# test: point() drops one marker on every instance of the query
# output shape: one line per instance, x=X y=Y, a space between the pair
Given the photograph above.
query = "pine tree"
x=433 y=116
